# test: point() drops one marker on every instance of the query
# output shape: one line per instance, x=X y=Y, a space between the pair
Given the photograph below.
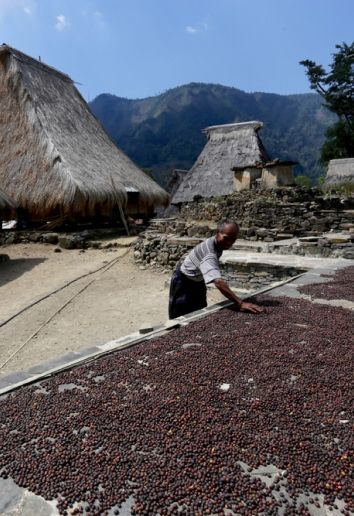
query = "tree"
x=337 y=88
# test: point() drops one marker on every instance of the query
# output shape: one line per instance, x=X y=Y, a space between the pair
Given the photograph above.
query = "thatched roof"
x=54 y=154
x=228 y=146
x=6 y=203
x=340 y=170
x=175 y=180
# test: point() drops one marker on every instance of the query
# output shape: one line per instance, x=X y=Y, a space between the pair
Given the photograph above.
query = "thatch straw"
x=7 y=205
x=55 y=157
x=228 y=146
x=340 y=170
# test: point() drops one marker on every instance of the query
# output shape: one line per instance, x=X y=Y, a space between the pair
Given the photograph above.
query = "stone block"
x=349 y=254
x=34 y=237
x=50 y=238
x=72 y=242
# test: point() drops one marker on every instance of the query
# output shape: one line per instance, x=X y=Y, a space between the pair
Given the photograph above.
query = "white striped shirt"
x=202 y=263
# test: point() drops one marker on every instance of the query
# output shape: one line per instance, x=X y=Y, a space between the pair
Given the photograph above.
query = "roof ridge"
x=25 y=58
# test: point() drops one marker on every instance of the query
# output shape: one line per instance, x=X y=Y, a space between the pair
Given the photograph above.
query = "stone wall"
x=95 y=238
x=267 y=216
x=161 y=251
x=254 y=276
x=276 y=214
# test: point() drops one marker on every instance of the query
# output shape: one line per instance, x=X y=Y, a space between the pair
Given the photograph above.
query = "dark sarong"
x=186 y=295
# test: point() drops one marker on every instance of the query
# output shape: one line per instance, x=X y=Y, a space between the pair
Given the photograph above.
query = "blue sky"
x=139 y=48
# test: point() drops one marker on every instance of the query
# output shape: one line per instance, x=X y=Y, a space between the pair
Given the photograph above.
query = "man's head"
x=226 y=233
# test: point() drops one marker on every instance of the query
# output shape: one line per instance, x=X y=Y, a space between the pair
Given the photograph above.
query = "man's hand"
x=224 y=288
x=250 y=307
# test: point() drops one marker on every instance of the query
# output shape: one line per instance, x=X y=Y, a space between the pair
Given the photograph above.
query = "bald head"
x=227 y=232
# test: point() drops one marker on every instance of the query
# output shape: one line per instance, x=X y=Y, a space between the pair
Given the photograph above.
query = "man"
x=201 y=267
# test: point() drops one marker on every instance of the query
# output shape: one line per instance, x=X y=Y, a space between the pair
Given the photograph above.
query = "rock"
x=35 y=237
x=72 y=242
x=193 y=231
x=337 y=238
x=57 y=250
x=349 y=255
x=164 y=256
x=94 y=245
x=50 y=238
x=180 y=227
x=284 y=236
x=12 y=238
x=308 y=239
x=4 y=258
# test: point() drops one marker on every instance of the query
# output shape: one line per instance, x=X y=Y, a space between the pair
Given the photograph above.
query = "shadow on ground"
x=12 y=269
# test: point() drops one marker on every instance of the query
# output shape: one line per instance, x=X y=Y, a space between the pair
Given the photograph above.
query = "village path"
x=118 y=302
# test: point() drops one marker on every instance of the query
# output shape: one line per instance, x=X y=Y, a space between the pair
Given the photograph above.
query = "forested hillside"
x=165 y=132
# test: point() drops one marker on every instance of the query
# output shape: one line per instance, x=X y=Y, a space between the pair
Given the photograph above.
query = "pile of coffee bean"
x=182 y=423
x=339 y=286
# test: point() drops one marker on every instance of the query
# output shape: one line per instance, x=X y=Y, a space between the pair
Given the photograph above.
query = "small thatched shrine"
x=55 y=157
x=340 y=170
x=234 y=158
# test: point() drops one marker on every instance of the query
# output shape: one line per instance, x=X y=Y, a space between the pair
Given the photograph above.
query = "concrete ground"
x=114 y=301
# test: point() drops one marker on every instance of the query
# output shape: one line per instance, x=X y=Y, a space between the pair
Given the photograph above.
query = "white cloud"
x=191 y=30
x=27 y=10
x=199 y=27
x=62 y=23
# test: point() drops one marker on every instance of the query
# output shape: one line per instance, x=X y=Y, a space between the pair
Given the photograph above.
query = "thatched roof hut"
x=228 y=146
x=340 y=170
x=55 y=157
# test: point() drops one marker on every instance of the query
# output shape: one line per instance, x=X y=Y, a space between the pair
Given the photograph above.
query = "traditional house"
x=340 y=170
x=234 y=158
x=55 y=157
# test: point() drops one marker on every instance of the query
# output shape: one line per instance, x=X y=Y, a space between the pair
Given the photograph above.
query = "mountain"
x=165 y=132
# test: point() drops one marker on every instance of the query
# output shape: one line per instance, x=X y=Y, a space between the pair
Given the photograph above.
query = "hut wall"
x=279 y=175
x=244 y=179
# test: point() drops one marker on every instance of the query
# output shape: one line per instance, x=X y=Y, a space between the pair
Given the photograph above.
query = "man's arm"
x=226 y=291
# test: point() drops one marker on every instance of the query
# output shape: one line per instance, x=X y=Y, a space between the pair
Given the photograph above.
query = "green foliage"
x=304 y=181
x=339 y=143
x=321 y=181
x=165 y=132
x=336 y=87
